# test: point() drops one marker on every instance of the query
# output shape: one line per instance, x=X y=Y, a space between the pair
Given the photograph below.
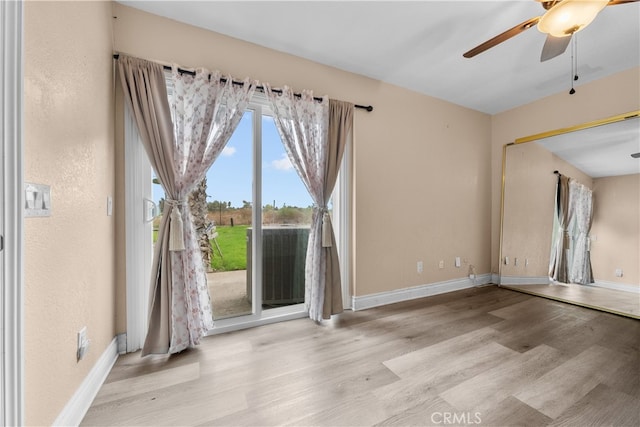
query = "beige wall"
x=69 y=256
x=612 y=95
x=530 y=187
x=616 y=227
x=422 y=165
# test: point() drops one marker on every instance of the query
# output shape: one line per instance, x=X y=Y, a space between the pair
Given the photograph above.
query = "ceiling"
x=419 y=44
x=600 y=151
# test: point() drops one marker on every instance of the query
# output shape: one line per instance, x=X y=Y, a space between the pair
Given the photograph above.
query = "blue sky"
x=230 y=177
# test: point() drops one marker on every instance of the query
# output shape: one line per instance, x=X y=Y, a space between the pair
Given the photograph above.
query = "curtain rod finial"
x=368 y=108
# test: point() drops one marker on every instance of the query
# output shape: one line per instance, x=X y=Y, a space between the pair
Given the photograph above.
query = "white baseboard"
x=635 y=289
x=521 y=280
x=406 y=294
x=77 y=407
x=495 y=278
x=122 y=343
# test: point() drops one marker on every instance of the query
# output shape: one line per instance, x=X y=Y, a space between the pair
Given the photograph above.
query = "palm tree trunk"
x=198 y=205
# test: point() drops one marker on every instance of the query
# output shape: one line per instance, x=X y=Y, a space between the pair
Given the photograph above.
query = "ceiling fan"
x=561 y=20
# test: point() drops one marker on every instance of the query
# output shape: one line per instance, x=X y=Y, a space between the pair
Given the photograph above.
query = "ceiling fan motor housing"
x=567 y=17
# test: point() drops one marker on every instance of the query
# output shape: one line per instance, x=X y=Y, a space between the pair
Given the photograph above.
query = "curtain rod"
x=260 y=88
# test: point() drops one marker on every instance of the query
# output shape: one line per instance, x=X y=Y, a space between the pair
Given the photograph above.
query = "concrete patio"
x=228 y=290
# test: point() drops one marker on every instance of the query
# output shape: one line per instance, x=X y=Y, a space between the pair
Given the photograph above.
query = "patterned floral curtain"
x=303 y=125
x=204 y=112
x=581 y=202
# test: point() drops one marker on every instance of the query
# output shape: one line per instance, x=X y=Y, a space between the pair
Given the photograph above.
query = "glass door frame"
x=259 y=106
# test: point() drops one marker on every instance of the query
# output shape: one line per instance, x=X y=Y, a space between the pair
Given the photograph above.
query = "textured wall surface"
x=69 y=256
x=616 y=225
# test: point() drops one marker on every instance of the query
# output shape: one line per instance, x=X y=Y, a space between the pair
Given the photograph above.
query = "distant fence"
x=242 y=216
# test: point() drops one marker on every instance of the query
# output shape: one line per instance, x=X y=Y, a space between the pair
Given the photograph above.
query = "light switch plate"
x=37 y=200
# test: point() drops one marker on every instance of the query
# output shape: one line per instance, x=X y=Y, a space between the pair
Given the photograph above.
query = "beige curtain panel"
x=558 y=267
x=340 y=131
x=145 y=91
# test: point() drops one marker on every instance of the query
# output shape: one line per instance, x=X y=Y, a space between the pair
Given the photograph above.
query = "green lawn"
x=233 y=243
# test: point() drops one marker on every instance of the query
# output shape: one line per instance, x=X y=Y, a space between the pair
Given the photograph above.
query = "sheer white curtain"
x=205 y=112
x=303 y=126
x=581 y=203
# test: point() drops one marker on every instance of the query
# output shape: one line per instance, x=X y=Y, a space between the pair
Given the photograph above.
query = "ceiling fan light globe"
x=570 y=16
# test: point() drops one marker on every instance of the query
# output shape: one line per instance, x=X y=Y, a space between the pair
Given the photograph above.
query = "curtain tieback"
x=566 y=239
x=176 y=235
x=327 y=227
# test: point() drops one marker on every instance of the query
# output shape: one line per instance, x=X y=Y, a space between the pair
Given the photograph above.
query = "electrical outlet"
x=420 y=266
x=526 y=262
x=619 y=272
x=441 y=264
x=457 y=262
x=506 y=260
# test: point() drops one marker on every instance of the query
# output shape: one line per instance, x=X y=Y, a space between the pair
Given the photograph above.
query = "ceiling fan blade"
x=512 y=32
x=554 y=46
x=615 y=2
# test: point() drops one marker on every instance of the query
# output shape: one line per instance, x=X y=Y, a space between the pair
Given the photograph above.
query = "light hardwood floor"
x=609 y=300
x=484 y=356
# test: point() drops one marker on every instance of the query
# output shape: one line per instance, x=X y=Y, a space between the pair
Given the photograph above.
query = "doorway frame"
x=11 y=215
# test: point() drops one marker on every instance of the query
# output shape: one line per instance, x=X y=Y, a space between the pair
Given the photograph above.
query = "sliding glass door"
x=252 y=214
x=259 y=213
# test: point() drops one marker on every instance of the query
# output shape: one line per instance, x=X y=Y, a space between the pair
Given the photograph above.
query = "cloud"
x=282 y=164
x=228 y=151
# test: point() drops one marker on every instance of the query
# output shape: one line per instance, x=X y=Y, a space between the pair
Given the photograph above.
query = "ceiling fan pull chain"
x=575 y=43
x=574 y=63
